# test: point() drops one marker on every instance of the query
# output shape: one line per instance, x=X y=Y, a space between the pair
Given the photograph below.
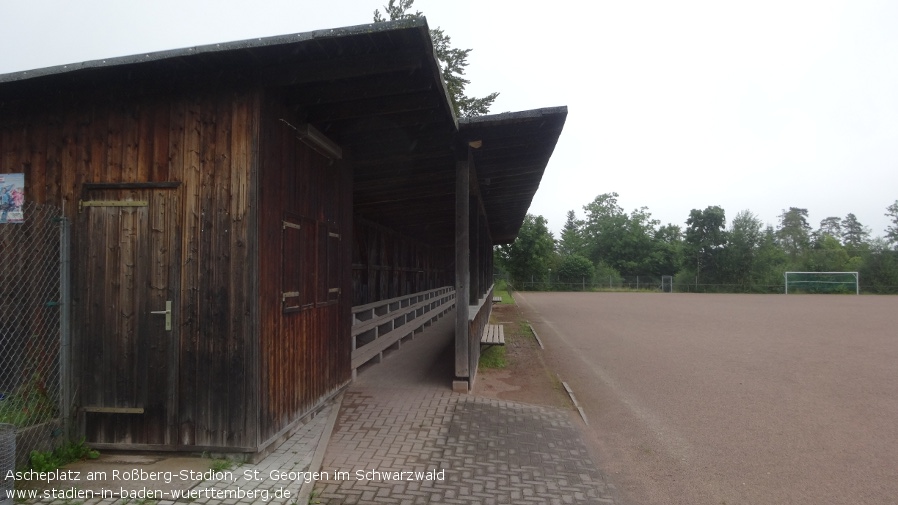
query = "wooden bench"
x=493 y=334
x=497 y=299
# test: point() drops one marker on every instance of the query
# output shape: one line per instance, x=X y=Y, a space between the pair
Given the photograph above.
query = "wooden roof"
x=515 y=149
x=373 y=89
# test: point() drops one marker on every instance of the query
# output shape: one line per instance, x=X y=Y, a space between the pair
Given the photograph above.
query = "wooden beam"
x=462 y=266
x=113 y=410
x=370 y=107
x=420 y=195
x=425 y=123
x=321 y=94
x=342 y=68
x=419 y=130
x=95 y=186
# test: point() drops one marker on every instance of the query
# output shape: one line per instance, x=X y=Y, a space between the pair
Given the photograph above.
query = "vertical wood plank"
x=145 y=141
x=227 y=369
x=113 y=171
x=235 y=363
x=166 y=154
x=251 y=154
x=131 y=140
x=53 y=152
x=71 y=162
x=184 y=140
x=206 y=365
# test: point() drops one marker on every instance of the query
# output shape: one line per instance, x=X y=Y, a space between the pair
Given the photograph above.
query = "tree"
x=575 y=269
x=669 y=234
x=668 y=249
x=794 y=231
x=571 y=236
x=879 y=269
x=603 y=229
x=705 y=238
x=854 y=234
x=452 y=62
x=623 y=242
x=831 y=226
x=639 y=249
x=828 y=255
x=744 y=239
x=769 y=264
x=529 y=257
x=892 y=229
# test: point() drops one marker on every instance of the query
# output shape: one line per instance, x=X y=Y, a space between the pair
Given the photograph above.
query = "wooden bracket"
x=113 y=410
x=111 y=203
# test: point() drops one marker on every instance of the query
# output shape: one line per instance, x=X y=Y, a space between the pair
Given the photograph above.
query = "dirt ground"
x=526 y=379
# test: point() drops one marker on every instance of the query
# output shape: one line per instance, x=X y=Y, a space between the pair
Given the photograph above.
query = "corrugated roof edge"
x=220 y=47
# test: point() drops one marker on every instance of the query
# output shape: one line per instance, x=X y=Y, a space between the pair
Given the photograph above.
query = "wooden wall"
x=305 y=235
x=386 y=264
x=222 y=171
x=481 y=254
x=205 y=140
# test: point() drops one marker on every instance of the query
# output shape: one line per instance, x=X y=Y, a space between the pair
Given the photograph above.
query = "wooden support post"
x=474 y=253
x=462 y=271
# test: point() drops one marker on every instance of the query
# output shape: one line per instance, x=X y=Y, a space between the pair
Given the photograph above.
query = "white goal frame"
x=857 y=279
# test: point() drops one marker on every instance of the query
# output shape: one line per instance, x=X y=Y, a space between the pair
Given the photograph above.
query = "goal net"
x=667 y=284
x=823 y=282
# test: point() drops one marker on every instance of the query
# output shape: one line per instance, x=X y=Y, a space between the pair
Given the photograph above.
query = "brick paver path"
x=404 y=418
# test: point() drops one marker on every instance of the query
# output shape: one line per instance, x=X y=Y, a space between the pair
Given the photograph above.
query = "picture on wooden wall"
x=12 y=198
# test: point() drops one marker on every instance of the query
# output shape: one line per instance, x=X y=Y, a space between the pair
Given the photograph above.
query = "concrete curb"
x=533 y=330
x=570 y=393
x=315 y=466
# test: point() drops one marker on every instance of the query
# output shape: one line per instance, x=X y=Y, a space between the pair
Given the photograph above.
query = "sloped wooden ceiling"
x=515 y=148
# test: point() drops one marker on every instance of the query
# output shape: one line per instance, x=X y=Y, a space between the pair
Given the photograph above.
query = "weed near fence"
x=33 y=261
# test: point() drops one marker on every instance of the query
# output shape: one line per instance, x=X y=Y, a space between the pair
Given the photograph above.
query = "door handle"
x=167 y=313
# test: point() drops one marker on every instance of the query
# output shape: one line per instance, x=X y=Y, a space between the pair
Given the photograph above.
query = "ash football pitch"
x=732 y=398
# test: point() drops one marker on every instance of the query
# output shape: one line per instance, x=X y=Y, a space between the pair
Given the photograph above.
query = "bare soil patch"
x=526 y=379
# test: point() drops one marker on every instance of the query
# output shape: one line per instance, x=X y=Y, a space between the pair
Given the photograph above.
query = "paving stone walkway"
x=404 y=437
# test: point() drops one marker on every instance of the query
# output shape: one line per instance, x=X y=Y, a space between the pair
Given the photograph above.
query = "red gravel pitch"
x=730 y=399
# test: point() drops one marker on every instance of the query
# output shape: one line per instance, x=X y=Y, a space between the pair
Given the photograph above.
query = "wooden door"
x=128 y=277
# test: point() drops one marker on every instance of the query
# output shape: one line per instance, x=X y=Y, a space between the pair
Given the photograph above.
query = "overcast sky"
x=674 y=105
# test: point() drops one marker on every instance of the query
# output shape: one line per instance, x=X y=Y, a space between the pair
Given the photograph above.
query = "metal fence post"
x=65 y=334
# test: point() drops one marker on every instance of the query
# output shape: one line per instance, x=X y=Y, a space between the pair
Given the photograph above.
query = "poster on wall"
x=12 y=198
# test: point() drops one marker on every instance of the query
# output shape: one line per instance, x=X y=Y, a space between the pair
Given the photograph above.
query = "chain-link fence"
x=33 y=263
x=613 y=283
x=880 y=278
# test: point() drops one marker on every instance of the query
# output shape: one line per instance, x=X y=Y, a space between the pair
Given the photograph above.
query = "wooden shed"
x=231 y=204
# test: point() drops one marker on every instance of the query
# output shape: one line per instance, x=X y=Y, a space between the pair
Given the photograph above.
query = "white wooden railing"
x=383 y=325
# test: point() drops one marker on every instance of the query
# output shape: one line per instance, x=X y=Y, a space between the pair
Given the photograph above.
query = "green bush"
x=29 y=404
x=61 y=456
